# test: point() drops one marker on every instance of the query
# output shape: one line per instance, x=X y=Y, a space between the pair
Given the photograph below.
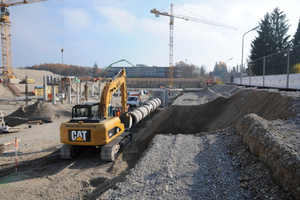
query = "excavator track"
x=110 y=151
x=70 y=151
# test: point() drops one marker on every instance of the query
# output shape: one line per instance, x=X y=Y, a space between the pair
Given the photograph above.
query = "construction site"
x=156 y=136
x=216 y=142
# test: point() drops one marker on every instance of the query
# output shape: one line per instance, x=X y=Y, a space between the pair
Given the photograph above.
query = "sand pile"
x=38 y=111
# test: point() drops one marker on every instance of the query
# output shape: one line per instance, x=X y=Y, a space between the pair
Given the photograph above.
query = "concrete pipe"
x=157 y=101
x=143 y=110
x=140 y=113
x=136 y=116
x=150 y=106
x=153 y=103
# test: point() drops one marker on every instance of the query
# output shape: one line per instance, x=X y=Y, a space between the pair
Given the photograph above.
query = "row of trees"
x=273 y=39
x=67 y=70
x=185 y=70
x=189 y=70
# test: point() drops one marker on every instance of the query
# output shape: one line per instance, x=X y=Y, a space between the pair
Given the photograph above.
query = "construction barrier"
x=11 y=147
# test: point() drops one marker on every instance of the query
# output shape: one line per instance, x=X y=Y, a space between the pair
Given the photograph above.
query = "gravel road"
x=183 y=167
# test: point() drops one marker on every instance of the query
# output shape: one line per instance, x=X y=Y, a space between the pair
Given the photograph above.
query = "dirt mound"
x=225 y=90
x=196 y=98
x=223 y=112
x=38 y=110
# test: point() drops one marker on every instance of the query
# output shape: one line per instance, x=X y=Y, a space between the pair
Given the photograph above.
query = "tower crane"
x=5 y=24
x=172 y=16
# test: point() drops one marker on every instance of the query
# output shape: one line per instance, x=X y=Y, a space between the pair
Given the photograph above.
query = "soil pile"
x=197 y=98
x=224 y=112
x=39 y=110
x=225 y=90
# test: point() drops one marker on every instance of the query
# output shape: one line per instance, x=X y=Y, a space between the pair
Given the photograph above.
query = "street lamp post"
x=226 y=68
x=241 y=70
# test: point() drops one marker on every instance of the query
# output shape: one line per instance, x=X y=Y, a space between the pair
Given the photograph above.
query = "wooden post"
x=16 y=154
x=1 y=149
x=26 y=90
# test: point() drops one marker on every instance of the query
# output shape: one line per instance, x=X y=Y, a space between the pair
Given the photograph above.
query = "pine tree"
x=294 y=55
x=272 y=38
x=280 y=28
x=296 y=39
x=95 y=69
x=216 y=70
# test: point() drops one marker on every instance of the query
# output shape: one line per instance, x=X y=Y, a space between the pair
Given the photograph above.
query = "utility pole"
x=241 y=68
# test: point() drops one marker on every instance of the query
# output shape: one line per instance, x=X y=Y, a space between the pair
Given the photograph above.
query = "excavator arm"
x=119 y=81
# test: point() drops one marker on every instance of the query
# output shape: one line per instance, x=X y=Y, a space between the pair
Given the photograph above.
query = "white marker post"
x=6 y=148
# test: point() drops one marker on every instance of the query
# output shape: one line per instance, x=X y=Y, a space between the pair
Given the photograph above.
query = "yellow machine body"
x=91 y=134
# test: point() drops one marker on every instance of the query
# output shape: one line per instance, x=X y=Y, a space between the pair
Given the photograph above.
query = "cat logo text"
x=80 y=135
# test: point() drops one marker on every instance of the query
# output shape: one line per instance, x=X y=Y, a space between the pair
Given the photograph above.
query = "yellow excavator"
x=99 y=124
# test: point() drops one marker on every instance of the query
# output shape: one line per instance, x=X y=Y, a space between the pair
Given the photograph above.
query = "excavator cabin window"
x=85 y=110
x=81 y=112
x=94 y=110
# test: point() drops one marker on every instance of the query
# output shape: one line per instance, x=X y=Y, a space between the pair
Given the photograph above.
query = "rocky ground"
x=198 y=148
x=225 y=163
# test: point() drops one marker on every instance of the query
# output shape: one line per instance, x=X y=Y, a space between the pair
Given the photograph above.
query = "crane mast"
x=172 y=16
x=171 y=48
x=5 y=24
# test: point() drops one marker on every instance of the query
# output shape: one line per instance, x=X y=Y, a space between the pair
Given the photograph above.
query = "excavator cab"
x=87 y=113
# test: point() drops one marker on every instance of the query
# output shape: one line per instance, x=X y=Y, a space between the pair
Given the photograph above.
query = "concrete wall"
x=157 y=82
x=279 y=81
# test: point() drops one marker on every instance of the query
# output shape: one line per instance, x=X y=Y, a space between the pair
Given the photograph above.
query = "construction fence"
x=270 y=70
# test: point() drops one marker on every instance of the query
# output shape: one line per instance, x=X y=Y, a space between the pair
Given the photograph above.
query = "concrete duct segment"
x=136 y=116
x=158 y=101
x=152 y=104
x=144 y=111
x=140 y=113
x=148 y=107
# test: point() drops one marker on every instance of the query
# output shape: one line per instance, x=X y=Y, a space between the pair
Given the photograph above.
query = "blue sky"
x=105 y=31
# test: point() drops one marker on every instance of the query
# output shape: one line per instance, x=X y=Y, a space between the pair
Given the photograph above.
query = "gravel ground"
x=182 y=167
x=213 y=165
x=218 y=164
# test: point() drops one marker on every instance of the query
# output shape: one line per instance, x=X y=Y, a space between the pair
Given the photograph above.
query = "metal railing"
x=281 y=69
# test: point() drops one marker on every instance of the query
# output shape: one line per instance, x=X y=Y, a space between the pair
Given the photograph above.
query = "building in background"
x=143 y=71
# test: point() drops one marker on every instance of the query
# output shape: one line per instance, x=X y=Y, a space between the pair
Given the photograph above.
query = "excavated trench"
x=218 y=114
x=223 y=112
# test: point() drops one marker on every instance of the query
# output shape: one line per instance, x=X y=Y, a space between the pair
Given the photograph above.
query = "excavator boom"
x=119 y=81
